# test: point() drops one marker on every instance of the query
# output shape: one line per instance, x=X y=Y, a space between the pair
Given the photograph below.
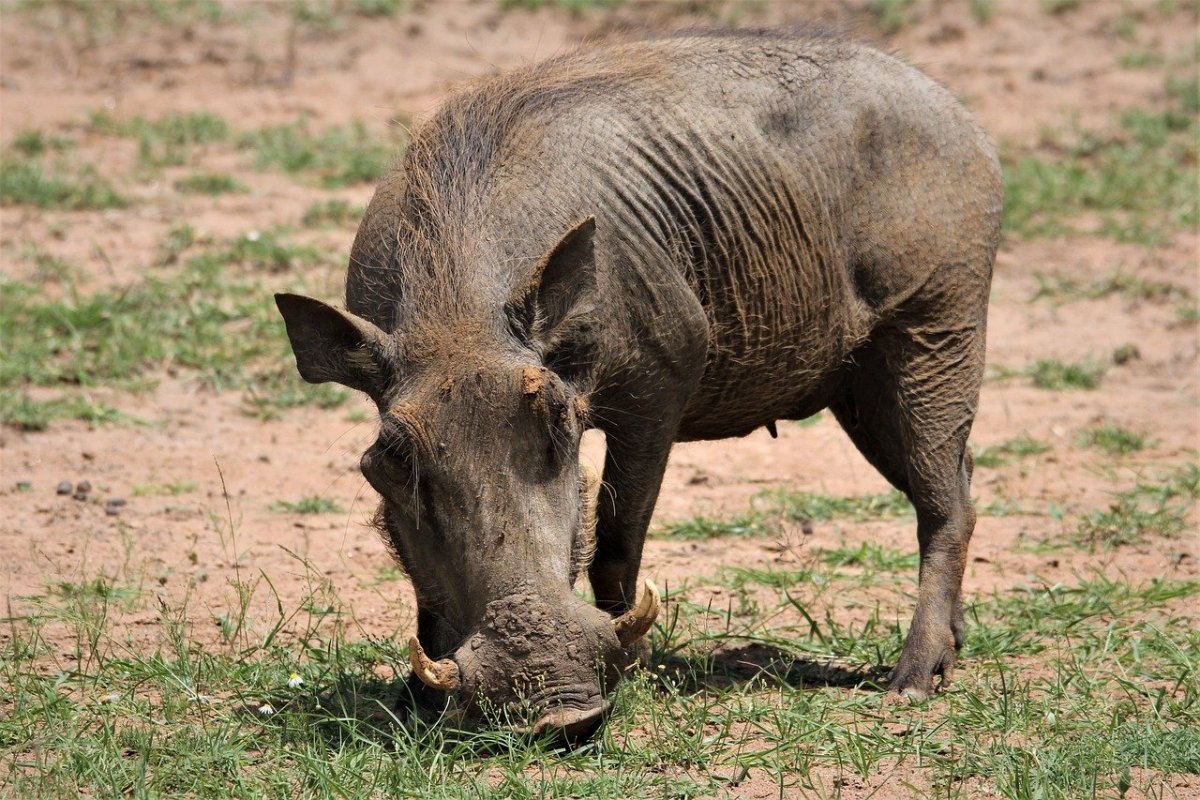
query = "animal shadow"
x=752 y=664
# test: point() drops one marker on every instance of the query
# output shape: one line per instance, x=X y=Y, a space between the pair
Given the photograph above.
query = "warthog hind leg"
x=908 y=405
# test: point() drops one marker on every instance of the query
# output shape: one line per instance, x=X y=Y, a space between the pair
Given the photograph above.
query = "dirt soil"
x=1023 y=72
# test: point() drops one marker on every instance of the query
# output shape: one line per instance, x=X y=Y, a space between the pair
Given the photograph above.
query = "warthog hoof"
x=913 y=677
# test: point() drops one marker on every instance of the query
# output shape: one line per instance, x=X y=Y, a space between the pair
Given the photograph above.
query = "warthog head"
x=485 y=501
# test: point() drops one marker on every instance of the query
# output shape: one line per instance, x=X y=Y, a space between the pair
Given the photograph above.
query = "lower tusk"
x=636 y=623
x=441 y=675
x=590 y=491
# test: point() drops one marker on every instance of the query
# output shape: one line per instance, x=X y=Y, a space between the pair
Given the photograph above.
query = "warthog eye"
x=572 y=358
x=388 y=464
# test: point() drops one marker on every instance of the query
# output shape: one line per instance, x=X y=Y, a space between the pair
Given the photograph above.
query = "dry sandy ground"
x=1023 y=72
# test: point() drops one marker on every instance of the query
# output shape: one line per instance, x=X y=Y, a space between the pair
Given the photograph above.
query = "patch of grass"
x=25 y=182
x=1028 y=619
x=37 y=143
x=1186 y=92
x=111 y=337
x=330 y=212
x=210 y=314
x=1114 y=440
x=821 y=507
x=312 y=504
x=892 y=16
x=379 y=8
x=703 y=527
x=269 y=251
x=209 y=183
x=1059 y=6
x=273 y=392
x=339 y=156
x=49 y=268
x=1056 y=287
x=1000 y=454
x=1141 y=58
x=1063 y=691
x=88 y=21
x=982 y=10
x=19 y=410
x=1002 y=507
x=1055 y=375
x=1139 y=180
x=871 y=557
x=169 y=140
x=574 y=6
x=172 y=488
x=1159 y=509
x=774 y=507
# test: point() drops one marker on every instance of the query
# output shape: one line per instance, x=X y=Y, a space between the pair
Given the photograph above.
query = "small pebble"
x=82 y=490
x=113 y=506
x=64 y=487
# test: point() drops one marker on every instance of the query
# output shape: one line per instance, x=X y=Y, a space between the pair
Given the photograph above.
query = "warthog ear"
x=561 y=283
x=334 y=345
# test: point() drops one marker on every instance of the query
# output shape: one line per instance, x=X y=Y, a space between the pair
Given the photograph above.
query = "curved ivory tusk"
x=636 y=622
x=441 y=675
x=590 y=489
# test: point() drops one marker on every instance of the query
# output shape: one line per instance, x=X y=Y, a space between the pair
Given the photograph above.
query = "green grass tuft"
x=309 y=505
x=1058 y=288
x=773 y=508
x=168 y=141
x=19 y=410
x=167 y=489
x=871 y=557
x=36 y=143
x=1159 y=509
x=1055 y=375
x=27 y=183
x=1139 y=181
x=892 y=16
x=330 y=212
x=209 y=183
x=1114 y=440
x=338 y=156
x=703 y=527
x=1000 y=454
x=574 y=6
x=379 y=8
x=820 y=507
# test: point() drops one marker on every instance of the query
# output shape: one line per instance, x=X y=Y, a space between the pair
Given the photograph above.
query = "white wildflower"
x=295 y=681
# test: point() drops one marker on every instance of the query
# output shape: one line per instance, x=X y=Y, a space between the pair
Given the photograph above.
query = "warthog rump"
x=687 y=238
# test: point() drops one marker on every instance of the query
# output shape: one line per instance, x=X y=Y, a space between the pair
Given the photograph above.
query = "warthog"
x=671 y=240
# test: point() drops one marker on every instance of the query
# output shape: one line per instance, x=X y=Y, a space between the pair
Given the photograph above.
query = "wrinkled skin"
x=669 y=240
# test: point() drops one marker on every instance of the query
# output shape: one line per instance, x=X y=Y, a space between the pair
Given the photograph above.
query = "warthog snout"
x=545 y=665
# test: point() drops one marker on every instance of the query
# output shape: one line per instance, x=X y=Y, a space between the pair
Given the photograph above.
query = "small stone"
x=113 y=506
x=64 y=487
x=83 y=487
